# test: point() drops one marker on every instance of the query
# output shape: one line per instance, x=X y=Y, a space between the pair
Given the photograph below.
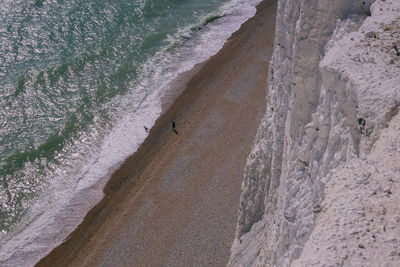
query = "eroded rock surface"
x=334 y=87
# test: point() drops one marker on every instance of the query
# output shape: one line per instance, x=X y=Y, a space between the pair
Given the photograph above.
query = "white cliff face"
x=359 y=223
x=333 y=87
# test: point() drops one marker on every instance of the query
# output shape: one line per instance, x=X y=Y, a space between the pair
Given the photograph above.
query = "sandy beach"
x=175 y=201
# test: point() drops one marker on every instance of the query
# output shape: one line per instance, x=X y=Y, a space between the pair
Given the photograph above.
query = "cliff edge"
x=322 y=182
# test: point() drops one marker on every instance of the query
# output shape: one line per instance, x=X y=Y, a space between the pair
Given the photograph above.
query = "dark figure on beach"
x=146 y=129
x=397 y=50
x=174 y=127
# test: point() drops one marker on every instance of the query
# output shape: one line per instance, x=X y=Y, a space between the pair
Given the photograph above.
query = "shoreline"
x=128 y=185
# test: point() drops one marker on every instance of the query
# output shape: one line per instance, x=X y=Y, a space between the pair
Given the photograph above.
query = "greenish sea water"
x=78 y=81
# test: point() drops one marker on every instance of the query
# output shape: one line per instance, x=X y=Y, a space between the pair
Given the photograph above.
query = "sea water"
x=79 y=80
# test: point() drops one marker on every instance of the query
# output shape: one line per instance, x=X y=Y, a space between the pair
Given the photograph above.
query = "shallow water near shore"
x=79 y=81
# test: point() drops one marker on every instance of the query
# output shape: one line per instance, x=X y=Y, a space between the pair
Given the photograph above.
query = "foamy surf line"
x=58 y=213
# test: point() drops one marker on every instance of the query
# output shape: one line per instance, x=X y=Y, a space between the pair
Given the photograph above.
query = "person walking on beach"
x=397 y=50
x=174 y=127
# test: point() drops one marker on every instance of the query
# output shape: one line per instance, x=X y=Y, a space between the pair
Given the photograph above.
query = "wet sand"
x=175 y=201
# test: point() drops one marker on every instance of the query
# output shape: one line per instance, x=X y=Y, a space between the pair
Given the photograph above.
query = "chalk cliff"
x=322 y=183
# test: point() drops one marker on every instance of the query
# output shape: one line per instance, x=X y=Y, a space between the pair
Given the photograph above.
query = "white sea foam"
x=77 y=186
